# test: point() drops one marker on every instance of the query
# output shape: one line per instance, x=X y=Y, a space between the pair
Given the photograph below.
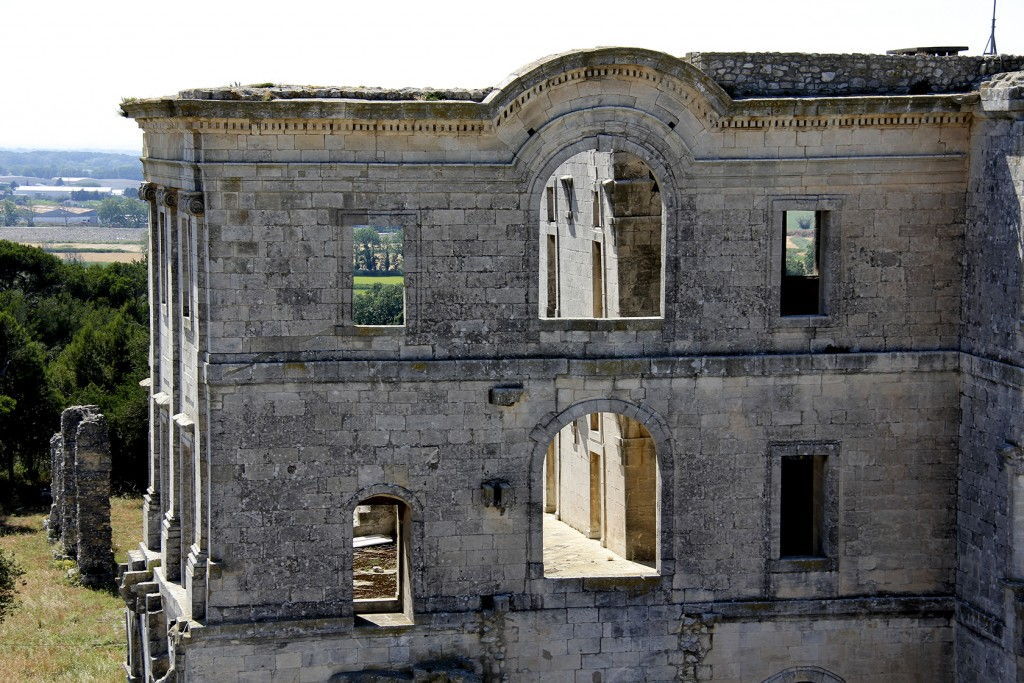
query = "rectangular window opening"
x=597 y=279
x=381 y=557
x=597 y=209
x=552 y=279
x=802 y=506
x=800 y=292
x=378 y=275
x=596 y=495
x=551 y=204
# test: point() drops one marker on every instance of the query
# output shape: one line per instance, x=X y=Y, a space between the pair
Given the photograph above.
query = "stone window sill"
x=797 y=322
x=601 y=324
x=384 y=620
x=796 y=565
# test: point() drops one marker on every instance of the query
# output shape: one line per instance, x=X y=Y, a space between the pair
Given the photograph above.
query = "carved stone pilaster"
x=192 y=203
x=167 y=196
x=147 y=192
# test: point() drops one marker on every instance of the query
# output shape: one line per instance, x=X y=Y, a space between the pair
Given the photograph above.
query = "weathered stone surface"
x=69 y=528
x=80 y=487
x=780 y=74
x=275 y=417
x=92 y=473
x=53 y=521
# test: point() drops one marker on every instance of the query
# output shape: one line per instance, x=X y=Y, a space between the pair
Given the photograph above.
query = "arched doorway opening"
x=601 y=499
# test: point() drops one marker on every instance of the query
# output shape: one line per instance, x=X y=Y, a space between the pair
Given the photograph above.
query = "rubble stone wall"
x=782 y=74
x=80 y=485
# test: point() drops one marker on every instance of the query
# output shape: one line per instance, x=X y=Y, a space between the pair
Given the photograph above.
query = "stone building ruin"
x=709 y=368
x=79 y=520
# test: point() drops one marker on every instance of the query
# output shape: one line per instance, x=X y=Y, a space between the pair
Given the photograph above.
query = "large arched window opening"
x=601 y=239
x=601 y=516
x=382 y=561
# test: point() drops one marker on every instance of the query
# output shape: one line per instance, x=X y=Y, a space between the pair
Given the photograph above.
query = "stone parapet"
x=782 y=74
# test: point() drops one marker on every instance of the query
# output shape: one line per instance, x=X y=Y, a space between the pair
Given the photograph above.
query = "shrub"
x=10 y=572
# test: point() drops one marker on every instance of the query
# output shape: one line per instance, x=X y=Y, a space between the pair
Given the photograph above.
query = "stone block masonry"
x=80 y=486
x=787 y=74
x=820 y=497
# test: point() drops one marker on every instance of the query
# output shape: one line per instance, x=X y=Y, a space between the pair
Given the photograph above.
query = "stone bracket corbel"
x=496 y=493
x=506 y=395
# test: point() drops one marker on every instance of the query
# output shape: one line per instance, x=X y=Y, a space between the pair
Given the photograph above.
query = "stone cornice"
x=625 y=74
x=233 y=369
x=296 y=118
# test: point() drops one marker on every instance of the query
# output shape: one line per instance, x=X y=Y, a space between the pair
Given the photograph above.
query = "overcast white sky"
x=68 y=63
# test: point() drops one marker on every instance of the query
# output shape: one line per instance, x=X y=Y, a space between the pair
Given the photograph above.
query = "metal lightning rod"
x=990 y=46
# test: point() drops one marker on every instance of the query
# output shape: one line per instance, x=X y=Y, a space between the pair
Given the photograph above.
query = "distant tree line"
x=378 y=252
x=68 y=164
x=69 y=334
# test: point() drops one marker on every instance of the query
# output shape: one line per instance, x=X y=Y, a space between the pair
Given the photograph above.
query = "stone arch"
x=646 y=138
x=414 y=538
x=661 y=435
x=804 y=674
x=621 y=71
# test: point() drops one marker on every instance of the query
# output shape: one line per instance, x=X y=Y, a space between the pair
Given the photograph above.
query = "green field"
x=364 y=281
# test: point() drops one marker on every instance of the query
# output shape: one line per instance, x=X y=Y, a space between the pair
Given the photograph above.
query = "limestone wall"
x=896 y=274
x=993 y=303
x=779 y=74
x=990 y=520
x=282 y=514
x=275 y=415
x=598 y=639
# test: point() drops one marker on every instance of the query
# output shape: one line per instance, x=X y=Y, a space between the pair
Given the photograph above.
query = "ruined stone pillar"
x=69 y=421
x=53 y=522
x=92 y=469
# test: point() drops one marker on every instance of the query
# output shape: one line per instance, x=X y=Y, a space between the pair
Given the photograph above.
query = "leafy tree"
x=29 y=269
x=103 y=365
x=10 y=572
x=380 y=305
x=366 y=241
x=26 y=424
x=121 y=212
x=8 y=213
x=88 y=325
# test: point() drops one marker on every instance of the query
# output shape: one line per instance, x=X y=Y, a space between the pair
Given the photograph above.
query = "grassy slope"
x=62 y=632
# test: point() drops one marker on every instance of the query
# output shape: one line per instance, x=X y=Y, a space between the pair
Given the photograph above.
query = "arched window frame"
x=545 y=432
x=402 y=612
